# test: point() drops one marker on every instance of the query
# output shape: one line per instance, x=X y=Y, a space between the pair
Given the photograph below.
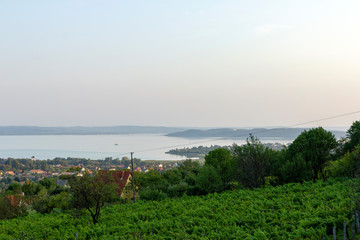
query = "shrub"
x=12 y=206
x=347 y=166
x=152 y=194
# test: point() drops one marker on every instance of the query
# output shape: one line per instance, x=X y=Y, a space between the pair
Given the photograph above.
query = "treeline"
x=194 y=152
x=314 y=154
x=201 y=151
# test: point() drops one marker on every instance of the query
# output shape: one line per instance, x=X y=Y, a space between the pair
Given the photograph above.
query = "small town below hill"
x=22 y=170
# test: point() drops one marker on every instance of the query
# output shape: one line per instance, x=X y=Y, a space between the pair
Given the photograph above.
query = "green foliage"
x=92 y=192
x=172 y=176
x=194 y=152
x=208 y=180
x=152 y=194
x=222 y=161
x=151 y=179
x=44 y=203
x=48 y=183
x=12 y=206
x=315 y=147
x=295 y=170
x=189 y=170
x=347 y=166
x=353 y=137
x=177 y=190
x=189 y=166
x=14 y=188
x=30 y=188
x=171 y=183
x=63 y=200
x=253 y=162
x=292 y=211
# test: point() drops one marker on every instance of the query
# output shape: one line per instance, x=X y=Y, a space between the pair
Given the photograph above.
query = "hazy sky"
x=179 y=63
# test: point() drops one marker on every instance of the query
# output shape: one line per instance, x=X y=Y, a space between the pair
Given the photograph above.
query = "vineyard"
x=293 y=211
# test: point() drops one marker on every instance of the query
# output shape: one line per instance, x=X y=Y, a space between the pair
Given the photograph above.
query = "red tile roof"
x=37 y=171
x=10 y=173
x=120 y=178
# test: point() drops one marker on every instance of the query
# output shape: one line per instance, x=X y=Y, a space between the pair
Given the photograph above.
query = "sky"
x=187 y=63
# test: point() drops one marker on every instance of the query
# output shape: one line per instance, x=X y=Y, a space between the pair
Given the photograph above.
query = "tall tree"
x=352 y=137
x=315 y=147
x=222 y=161
x=253 y=162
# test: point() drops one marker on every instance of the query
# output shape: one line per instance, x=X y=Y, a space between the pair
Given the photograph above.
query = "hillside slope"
x=292 y=211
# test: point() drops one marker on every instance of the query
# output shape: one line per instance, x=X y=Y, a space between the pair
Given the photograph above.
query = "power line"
x=327 y=118
x=241 y=135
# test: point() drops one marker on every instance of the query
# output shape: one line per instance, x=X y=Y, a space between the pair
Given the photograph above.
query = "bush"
x=177 y=190
x=152 y=194
x=347 y=166
x=295 y=170
x=45 y=203
x=62 y=201
x=11 y=206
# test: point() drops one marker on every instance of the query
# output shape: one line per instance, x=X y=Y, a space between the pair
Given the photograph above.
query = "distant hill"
x=276 y=133
x=33 y=130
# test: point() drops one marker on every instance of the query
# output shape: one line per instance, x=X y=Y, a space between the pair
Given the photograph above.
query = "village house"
x=122 y=180
x=36 y=171
x=10 y=173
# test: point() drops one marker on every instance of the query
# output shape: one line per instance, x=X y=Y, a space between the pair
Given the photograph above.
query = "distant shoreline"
x=193 y=133
x=34 y=130
x=262 y=133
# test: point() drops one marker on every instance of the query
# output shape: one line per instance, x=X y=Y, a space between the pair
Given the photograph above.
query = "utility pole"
x=133 y=177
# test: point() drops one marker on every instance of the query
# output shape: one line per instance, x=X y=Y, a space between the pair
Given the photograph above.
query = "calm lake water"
x=144 y=146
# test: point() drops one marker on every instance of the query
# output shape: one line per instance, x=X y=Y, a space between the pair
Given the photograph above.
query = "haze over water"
x=101 y=146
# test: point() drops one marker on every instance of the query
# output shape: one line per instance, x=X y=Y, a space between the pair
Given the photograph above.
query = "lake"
x=144 y=146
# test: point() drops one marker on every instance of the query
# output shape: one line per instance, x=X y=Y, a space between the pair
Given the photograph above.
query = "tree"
x=151 y=179
x=44 y=203
x=352 y=137
x=93 y=192
x=14 y=188
x=188 y=166
x=222 y=161
x=208 y=180
x=172 y=176
x=253 y=162
x=41 y=204
x=30 y=188
x=293 y=170
x=315 y=147
x=189 y=170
